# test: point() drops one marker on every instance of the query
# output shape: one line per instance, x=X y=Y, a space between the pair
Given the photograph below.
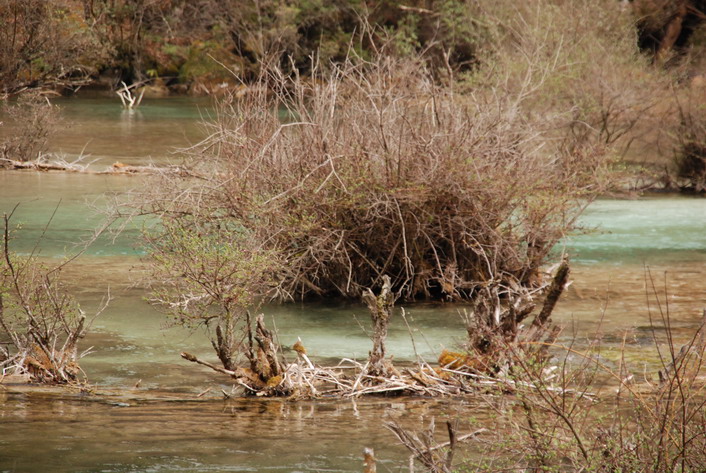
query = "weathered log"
x=42 y=164
x=36 y=165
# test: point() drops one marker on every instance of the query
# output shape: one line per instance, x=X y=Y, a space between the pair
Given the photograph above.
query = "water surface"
x=635 y=258
x=101 y=131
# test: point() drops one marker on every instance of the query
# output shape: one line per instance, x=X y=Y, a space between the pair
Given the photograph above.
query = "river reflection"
x=41 y=432
x=134 y=423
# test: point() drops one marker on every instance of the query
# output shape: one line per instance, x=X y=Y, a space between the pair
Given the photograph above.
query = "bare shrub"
x=377 y=171
x=596 y=84
x=37 y=120
x=658 y=427
x=40 y=324
x=581 y=412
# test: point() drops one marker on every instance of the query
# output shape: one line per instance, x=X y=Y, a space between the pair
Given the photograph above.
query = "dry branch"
x=127 y=95
x=57 y=163
x=40 y=322
x=561 y=278
x=457 y=374
x=425 y=450
x=380 y=311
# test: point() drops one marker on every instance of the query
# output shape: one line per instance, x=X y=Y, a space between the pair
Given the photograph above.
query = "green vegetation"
x=617 y=70
x=216 y=292
x=71 y=41
x=45 y=44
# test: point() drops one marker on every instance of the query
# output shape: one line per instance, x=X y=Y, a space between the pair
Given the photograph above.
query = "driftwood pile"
x=47 y=163
x=493 y=342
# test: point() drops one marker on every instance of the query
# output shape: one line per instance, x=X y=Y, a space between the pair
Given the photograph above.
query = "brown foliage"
x=376 y=170
x=44 y=44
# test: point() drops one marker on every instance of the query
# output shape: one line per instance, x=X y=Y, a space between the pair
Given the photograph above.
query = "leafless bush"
x=594 y=74
x=376 y=170
x=36 y=119
x=40 y=324
x=580 y=412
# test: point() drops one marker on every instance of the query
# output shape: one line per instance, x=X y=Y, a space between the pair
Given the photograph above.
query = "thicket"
x=36 y=120
x=45 y=44
x=376 y=170
x=199 y=43
x=691 y=150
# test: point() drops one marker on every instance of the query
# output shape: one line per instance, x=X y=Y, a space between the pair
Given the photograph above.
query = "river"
x=146 y=416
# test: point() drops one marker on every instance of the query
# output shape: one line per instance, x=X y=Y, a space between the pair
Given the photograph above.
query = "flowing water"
x=146 y=414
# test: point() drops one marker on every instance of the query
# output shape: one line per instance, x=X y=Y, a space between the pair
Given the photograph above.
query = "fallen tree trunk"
x=43 y=164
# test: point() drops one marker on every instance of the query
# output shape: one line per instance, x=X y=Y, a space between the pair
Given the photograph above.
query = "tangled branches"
x=40 y=324
x=490 y=356
x=374 y=170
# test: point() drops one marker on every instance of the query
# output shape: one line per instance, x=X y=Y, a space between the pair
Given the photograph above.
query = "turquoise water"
x=60 y=211
x=162 y=426
x=648 y=230
x=621 y=238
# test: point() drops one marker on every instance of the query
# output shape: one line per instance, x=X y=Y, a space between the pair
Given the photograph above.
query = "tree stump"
x=380 y=311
